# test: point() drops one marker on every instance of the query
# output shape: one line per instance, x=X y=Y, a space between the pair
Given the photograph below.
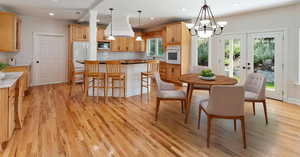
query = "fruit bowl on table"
x=212 y=78
x=207 y=75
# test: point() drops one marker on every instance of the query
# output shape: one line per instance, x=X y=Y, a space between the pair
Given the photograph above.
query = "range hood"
x=120 y=27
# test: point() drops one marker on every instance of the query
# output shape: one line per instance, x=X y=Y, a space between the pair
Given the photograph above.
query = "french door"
x=266 y=57
x=254 y=52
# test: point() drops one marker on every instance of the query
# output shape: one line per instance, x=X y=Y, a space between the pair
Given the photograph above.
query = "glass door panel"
x=265 y=57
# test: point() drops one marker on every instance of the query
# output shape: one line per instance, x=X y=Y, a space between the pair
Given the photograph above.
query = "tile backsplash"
x=121 y=55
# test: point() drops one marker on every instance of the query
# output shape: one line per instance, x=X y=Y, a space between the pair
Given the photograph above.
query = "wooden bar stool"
x=74 y=78
x=152 y=68
x=114 y=73
x=92 y=72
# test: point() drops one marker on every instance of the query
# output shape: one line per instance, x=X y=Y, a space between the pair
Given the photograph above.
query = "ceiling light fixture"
x=139 y=38
x=205 y=25
x=183 y=9
x=111 y=37
x=51 y=14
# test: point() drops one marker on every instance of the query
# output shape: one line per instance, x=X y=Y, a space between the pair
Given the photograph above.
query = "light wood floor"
x=57 y=125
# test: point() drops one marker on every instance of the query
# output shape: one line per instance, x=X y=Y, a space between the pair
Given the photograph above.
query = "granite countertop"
x=133 y=61
x=10 y=79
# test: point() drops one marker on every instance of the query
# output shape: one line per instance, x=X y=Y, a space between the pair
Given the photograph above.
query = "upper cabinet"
x=139 y=46
x=100 y=34
x=173 y=33
x=10 y=25
x=79 y=32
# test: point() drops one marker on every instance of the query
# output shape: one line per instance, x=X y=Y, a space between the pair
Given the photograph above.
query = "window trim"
x=156 y=49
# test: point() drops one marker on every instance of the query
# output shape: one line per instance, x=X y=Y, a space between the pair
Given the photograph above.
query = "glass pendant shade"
x=205 y=34
x=222 y=23
x=139 y=38
x=111 y=37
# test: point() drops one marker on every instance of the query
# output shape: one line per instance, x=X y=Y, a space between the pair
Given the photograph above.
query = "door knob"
x=37 y=61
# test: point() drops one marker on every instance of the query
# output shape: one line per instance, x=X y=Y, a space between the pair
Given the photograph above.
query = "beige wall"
x=278 y=18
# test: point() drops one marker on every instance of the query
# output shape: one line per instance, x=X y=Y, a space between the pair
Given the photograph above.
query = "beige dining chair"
x=225 y=102
x=167 y=91
x=255 y=89
x=197 y=70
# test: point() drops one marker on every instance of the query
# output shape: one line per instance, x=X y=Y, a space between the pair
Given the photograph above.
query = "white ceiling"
x=161 y=10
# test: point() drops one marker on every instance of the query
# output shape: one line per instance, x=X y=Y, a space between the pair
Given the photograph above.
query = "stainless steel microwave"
x=103 y=45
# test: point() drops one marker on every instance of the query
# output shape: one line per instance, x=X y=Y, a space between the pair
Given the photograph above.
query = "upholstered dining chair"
x=225 y=102
x=167 y=91
x=255 y=89
x=198 y=69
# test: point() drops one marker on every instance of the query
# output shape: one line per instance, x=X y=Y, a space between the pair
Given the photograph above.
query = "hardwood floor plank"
x=61 y=126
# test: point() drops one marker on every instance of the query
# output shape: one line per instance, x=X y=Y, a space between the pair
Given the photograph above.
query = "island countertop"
x=10 y=79
x=133 y=61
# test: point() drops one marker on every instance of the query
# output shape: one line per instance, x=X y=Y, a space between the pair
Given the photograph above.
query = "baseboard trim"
x=294 y=101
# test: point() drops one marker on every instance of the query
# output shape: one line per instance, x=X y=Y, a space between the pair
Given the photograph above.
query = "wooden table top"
x=194 y=79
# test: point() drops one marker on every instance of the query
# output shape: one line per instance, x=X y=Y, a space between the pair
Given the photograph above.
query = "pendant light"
x=139 y=38
x=111 y=37
x=206 y=25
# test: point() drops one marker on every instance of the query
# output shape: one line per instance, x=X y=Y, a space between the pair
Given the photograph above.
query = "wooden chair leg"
x=234 y=124
x=253 y=105
x=93 y=87
x=265 y=110
x=70 y=90
x=86 y=87
x=199 y=118
x=112 y=88
x=147 y=85
x=208 y=131
x=157 y=108
x=182 y=106
x=107 y=89
x=98 y=88
x=243 y=132
x=124 y=87
x=120 y=89
x=141 y=84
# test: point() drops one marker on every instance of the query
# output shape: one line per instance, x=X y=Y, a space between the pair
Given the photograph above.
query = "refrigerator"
x=80 y=53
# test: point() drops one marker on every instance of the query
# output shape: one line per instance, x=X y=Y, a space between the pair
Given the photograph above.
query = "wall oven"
x=173 y=54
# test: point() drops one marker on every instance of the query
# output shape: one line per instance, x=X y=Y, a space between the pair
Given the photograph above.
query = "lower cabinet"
x=170 y=72
x=7 y=112
x=12 y=109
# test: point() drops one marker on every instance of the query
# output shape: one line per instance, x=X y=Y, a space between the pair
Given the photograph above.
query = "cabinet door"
x=139 y=46
x=100 y=34
x=174 y=33
x=131 y=42
x=163 y=70
x=85 y=33
x=8 y=32
x=123 y=44
x=115 y=44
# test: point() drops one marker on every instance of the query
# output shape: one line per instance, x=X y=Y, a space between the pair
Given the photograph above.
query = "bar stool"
x=92 y=71
x=114 y=73
x=78 y=71
x=152 y=68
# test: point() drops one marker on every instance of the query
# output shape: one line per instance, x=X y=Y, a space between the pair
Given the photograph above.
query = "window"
x=155 y=47
x=203 y=50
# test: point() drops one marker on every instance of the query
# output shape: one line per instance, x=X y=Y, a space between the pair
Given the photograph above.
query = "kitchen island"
x=132 y=70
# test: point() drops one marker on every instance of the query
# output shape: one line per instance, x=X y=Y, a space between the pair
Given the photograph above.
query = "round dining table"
x=193 y=79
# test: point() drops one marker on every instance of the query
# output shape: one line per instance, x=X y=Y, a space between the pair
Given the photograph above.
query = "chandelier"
x=205 y=25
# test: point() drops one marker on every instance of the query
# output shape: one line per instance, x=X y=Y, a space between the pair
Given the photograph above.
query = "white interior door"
x=233 y=56
x=265 y=56
x=49 y=65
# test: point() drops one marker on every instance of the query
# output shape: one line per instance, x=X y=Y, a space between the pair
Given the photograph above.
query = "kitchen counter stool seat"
x=92 y=74
x=152 y=68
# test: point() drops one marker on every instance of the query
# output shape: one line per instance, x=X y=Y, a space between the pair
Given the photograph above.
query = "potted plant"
x=207 y=75
x=2 y=66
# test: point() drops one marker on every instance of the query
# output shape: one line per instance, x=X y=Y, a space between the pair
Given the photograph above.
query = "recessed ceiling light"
x=151 y=18
x=236 y=4
x=51 y=14
x=183 y=9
